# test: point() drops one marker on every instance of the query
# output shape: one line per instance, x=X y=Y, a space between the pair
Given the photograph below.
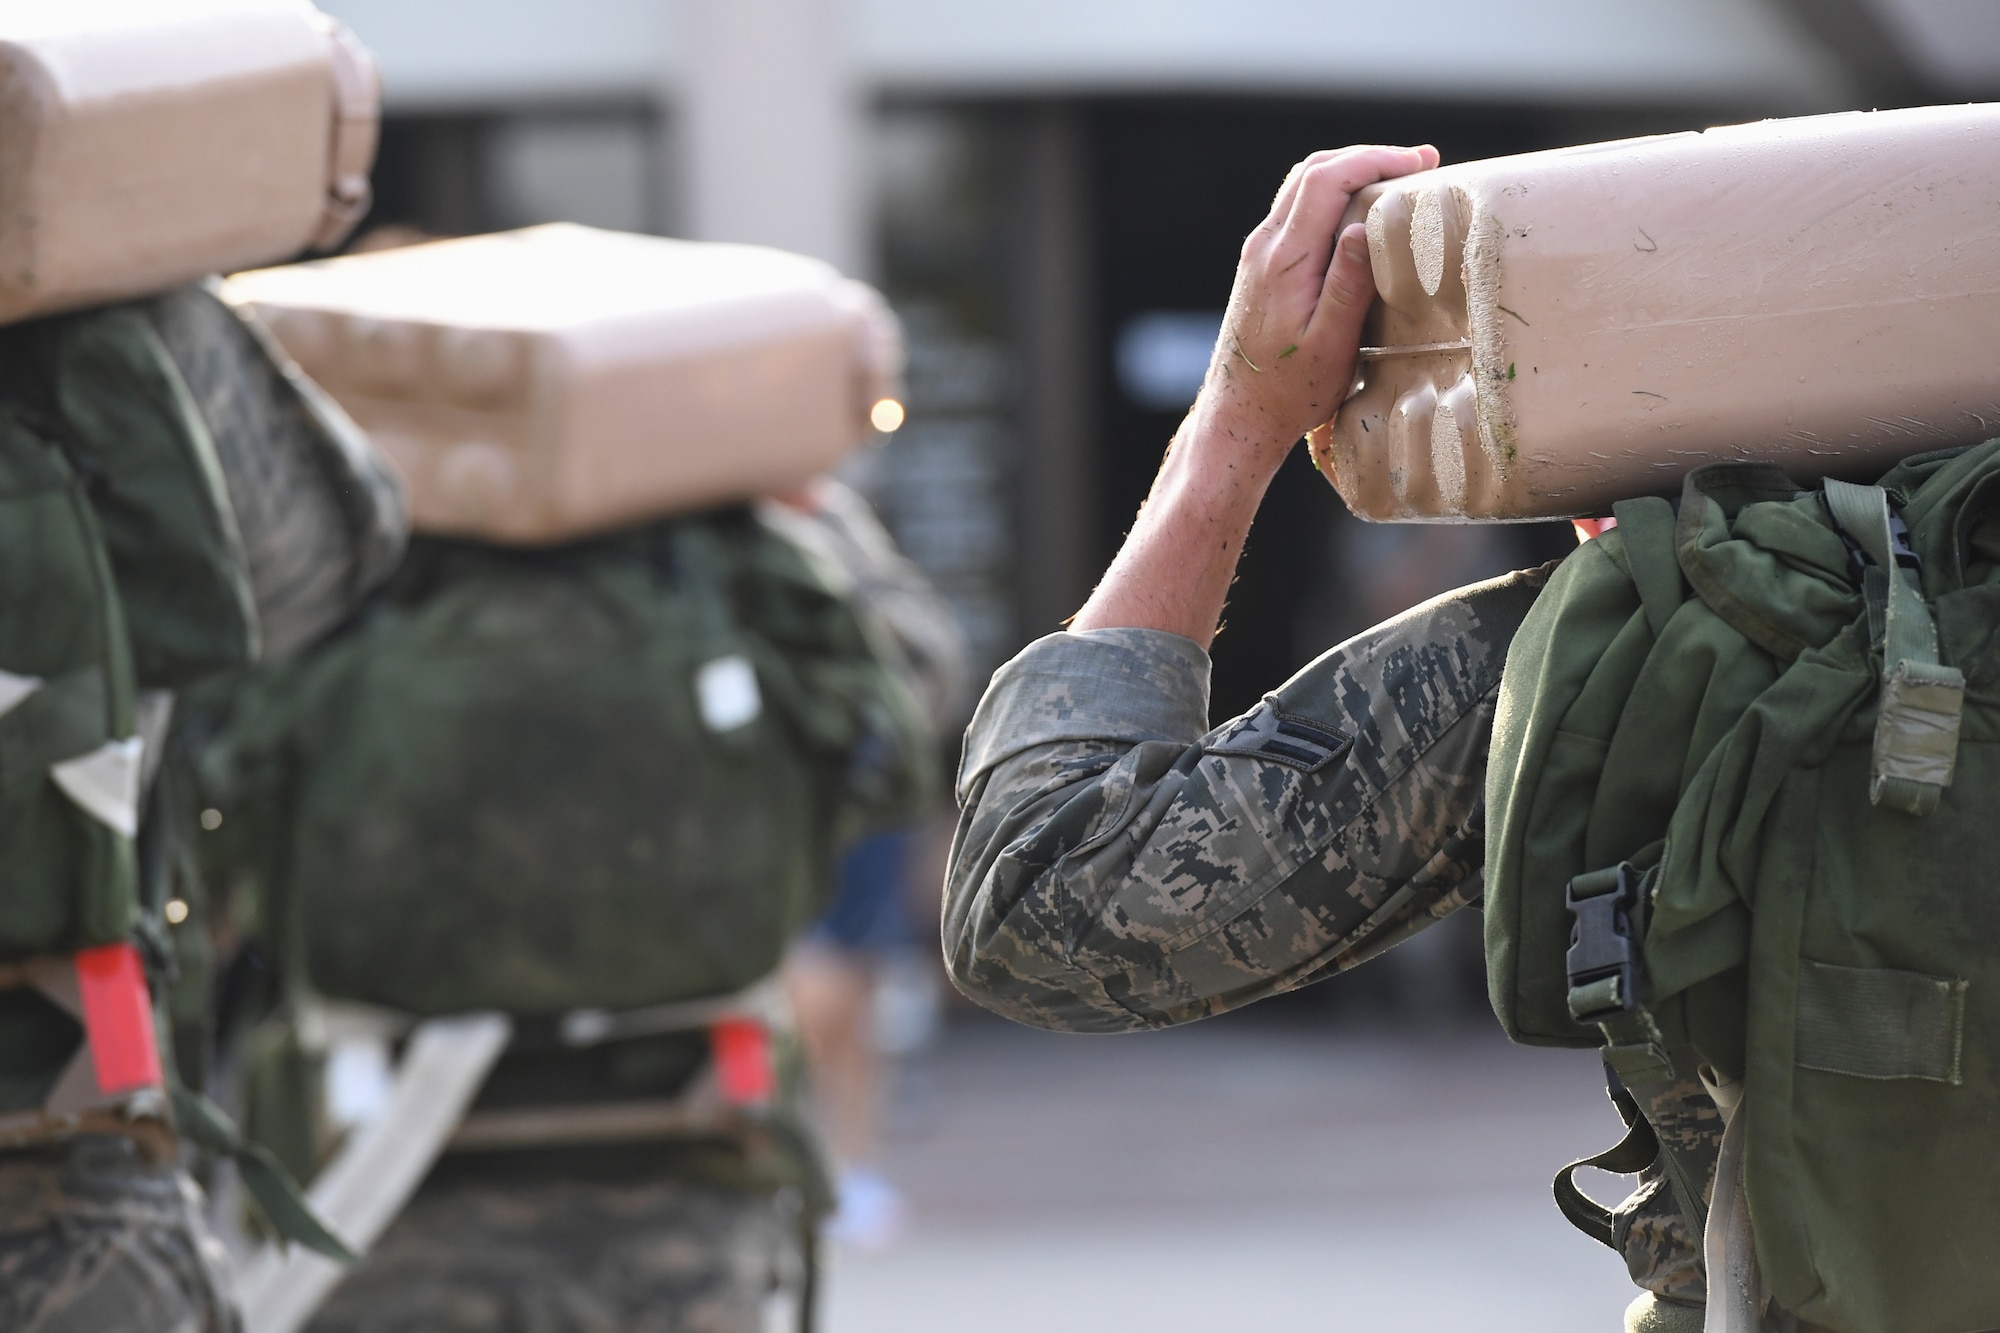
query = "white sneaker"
x=871 y=1214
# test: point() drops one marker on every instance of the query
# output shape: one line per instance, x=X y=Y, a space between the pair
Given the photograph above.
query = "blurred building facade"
x=1053 y=193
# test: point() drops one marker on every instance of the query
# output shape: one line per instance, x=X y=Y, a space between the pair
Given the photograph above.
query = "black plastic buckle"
x=1602 y=946
x=1900 y=550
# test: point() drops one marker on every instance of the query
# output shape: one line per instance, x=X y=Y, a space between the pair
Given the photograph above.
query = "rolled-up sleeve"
x=1119 y=865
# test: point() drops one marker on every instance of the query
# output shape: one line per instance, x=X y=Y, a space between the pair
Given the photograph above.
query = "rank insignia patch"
x=1266 y=733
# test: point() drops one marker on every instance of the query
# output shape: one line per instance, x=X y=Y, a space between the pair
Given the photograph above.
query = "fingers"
x=1349 y=289
x=1281 y=207
x=1350 y=278
x=1426 y=157
x=1288 y=189
x=1324 y=188
x=1299 y=231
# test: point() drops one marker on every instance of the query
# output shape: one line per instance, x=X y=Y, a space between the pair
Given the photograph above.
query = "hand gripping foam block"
x=537 y=385
x=144 y=143
x=1560 y=330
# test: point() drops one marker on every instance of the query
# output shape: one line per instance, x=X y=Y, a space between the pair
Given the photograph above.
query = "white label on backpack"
x=15 y=688
x=359 y=1082
x=727 y=691
x=105 y=783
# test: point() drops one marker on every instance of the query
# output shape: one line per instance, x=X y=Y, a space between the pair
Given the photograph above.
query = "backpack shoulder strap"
x=1634 y=1153
x=1648 y=557
x=1609 y=909
x=1916 y=727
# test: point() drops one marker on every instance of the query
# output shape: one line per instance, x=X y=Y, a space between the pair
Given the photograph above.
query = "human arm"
x=1120 y=866
x=1281 y=365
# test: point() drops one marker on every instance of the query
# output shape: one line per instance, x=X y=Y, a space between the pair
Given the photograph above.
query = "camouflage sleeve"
x=1115 y=868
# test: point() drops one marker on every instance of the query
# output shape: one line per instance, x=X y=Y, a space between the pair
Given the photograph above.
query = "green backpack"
x=102 y=386
x=607 y=775
x=68 y=880
x=1740 y=795
x=120 y=570
x=123 y=573
x=122 y=579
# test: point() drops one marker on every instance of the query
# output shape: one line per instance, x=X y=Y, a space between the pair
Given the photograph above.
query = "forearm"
x=1281 y=366
x=1174 y=570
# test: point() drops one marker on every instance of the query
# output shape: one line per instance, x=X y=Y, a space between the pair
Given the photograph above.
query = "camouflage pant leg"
x=1663 y=1248
x=95 y=1239
x=569 y=1256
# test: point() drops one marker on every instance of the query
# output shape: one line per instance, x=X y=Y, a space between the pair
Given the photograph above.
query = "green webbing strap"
x=1635 y=1052
x=1640 y=1071
x=1636 y=1055
x=1647 y=556
x=1908 y=634
x=1916 y=729
x=1594 y=997
x=1879 y=1022
x=1629 y=1156
x=203 y=1121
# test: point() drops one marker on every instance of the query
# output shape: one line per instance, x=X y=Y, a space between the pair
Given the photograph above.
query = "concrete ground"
x=1260 y=1171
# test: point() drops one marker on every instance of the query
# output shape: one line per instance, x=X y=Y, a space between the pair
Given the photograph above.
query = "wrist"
x=1174 y=570
x=1218 y=435
x=1219 y=462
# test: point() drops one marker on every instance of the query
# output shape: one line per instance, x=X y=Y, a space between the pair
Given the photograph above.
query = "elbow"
x=979 y=971
x=1051 y=1009
x=1039 y=988
x=1007 y=923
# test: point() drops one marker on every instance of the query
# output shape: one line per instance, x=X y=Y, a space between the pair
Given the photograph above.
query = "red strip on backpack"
x=118 y=1018
x=744 y=1069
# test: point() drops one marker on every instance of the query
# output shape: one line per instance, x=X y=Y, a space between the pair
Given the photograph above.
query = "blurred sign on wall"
x=1162 y=356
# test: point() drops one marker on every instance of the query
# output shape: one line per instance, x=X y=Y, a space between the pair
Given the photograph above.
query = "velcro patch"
x=1879 y=1022
x=1266 y=733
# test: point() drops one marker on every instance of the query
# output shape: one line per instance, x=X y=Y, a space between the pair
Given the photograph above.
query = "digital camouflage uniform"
x=565 y=1253
x=1119 y=865
x=94 y=1238
x=1662 y=1249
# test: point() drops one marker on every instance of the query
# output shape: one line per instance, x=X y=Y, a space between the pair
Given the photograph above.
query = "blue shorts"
x=868 y=913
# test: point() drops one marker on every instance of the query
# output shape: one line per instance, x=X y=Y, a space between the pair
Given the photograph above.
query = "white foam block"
x=539 y=384
x=1560 y=330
